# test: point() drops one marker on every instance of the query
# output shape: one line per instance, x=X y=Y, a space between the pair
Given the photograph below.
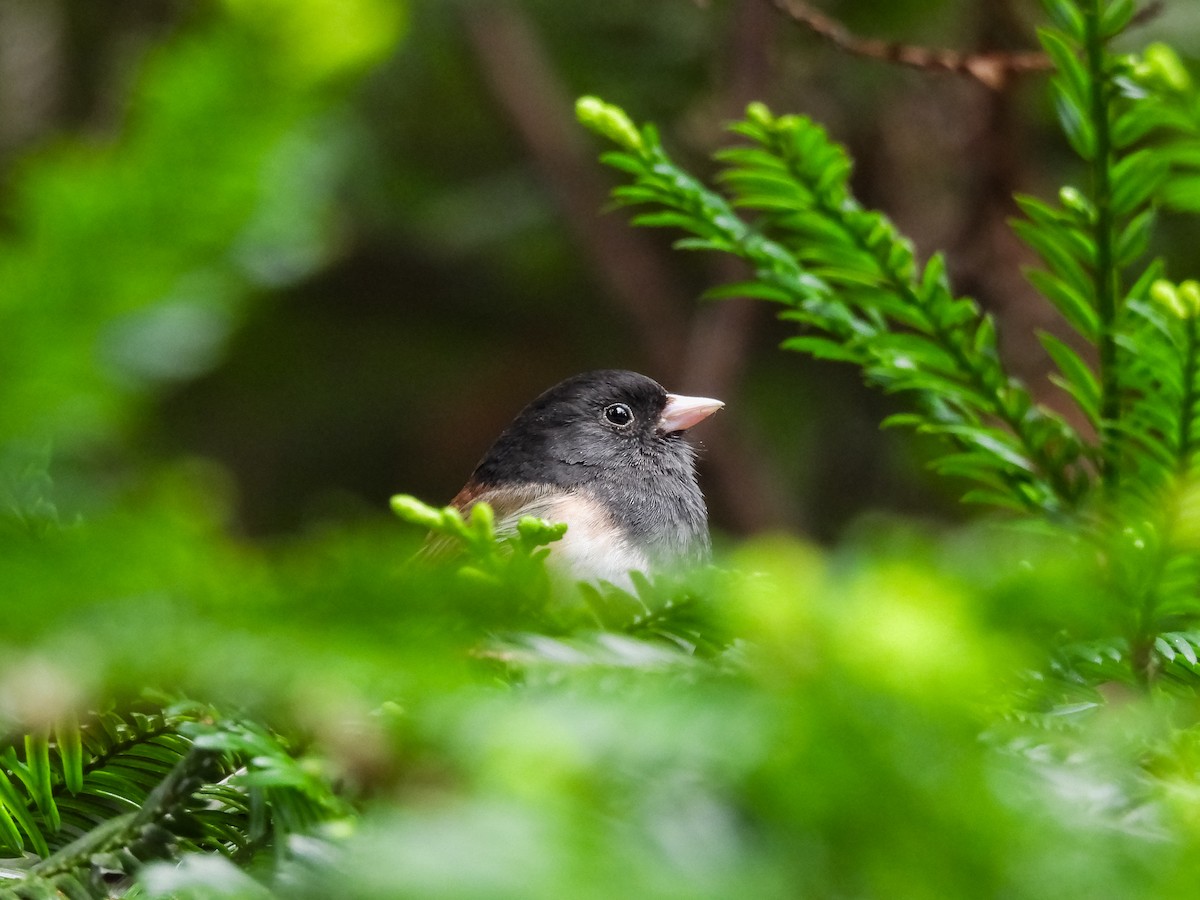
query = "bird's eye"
x=618 y=414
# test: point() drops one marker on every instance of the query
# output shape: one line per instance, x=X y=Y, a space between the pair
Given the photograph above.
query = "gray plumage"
x=630 y=487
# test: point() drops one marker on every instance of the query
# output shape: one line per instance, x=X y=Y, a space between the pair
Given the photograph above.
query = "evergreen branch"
x=852 y=282
x=151 y=786
x=124 y=843
x=1089 y=242
x=90 y=762
x=846 y=272
x=1155 y=564
x=1145 y=390
x=956 y=326
x=1105 y=273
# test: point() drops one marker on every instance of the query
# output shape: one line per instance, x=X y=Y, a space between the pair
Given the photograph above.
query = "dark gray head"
x=618 y=436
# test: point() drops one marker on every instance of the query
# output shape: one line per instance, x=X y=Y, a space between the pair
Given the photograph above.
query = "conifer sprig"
x=855 y=287
x=853 y=283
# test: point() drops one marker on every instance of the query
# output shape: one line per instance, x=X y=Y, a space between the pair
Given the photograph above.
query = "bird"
x=605 y=453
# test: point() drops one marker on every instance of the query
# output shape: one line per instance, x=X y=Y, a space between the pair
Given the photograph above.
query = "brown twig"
x=527 y=88
x=1151 y=10
x=698 y=352
x=995 y=69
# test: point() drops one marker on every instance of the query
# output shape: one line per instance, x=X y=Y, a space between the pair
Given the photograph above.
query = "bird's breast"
x=595 y=547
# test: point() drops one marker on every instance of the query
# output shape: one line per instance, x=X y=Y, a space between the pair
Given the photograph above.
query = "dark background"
x=365 y=234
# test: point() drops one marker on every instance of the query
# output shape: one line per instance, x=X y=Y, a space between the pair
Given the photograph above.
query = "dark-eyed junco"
x=603 y=452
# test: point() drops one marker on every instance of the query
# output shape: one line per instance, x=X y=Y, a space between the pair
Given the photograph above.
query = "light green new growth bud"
x=1166 y=294
x=1074 y=200
x=410 y=509
x=540 y=531
x=477 y=576
x=1189 y=295
x=451 y=522
x=759 y=114
x=483 y=520
x=1165 y=66
x=608 y=120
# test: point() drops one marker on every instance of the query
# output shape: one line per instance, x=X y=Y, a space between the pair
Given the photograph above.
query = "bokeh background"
x=323 y=250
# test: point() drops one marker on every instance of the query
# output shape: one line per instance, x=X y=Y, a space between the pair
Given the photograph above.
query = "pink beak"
x=681 y=412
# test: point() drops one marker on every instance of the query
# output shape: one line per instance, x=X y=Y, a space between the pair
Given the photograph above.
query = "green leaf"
x=1116 y=17
x=766 y=188
x=1182 y=193
x=634 y=194
x=1066 y=15
x=16 y=808
x=845 y=269
x=914 y=352
x=1073 y=305
x=1134 y=239
x=984 y=340
x=1060 y=260
x=759 y=290
x=750 y=158
x=1182 y=154
x=1078 y=378
x=822 y=348
x=808 y=231
x=992 y=441
x=1075 y=123
x=9 y=835
x=70 y=750
x=1135 y=179
x=1072 y=74
x=978 y=466
x=715 y=245
x=1140 y=289
x=997 y=498
x=37 y=759
x=1061 y=228
x=1138 y=120
x=1040 y=211
x=672 y=219
x=1185 y=647
x=626 y=162
x=903 y=420
x=934 y=276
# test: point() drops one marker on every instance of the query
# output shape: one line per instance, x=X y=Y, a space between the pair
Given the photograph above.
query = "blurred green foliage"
x=916 y=712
